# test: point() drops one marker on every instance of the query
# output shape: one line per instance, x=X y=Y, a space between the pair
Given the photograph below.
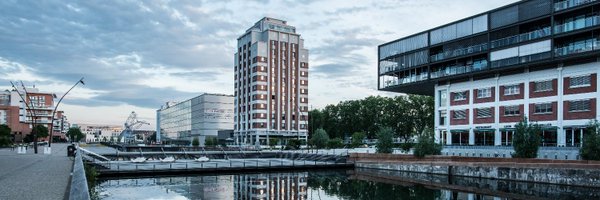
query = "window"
x=580 y=81
x=512 y=90
x=484 y=112
x=579 y=106
x=460 y=96
x=511 y=111
x=543 y=86
x=442 y=117
x=459 y=114
x=443 y=98
x=484 y=93
x=543 y=108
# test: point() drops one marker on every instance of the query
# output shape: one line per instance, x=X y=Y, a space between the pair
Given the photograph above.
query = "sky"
x=135 y=55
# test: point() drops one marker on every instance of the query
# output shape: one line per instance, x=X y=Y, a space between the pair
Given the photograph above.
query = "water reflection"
x=333 y=185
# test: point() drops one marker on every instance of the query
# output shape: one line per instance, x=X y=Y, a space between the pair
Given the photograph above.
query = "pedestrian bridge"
x=153 y=163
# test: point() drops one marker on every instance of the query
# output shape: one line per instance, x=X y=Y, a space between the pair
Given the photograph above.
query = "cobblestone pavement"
x=35 y=176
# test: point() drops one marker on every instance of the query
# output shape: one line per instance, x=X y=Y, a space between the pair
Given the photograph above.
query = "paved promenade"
x=35 y=176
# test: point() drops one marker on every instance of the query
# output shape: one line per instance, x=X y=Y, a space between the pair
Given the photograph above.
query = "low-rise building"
x=199 y=117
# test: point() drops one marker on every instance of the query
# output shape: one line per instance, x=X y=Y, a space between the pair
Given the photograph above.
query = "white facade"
x=100 y=132
x=566 y=129
x=200 y=117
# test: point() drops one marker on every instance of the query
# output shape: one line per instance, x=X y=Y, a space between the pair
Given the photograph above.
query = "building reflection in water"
x=273 y=186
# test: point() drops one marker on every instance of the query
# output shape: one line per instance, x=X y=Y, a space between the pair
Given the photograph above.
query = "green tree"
x=357 y=139
x=272 y=142
x=5 y=135
x=315 y=120
x=196 y=142
x=75 y=134
x=590 y=150
x=385 y=142
x=320 y=138
x=41 y=131
x=426 y=145
x=422 y=112
x=335 y=143
x=526 y=141
x=294 y=144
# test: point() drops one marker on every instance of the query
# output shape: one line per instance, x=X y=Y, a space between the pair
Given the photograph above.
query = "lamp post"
x=31 y=113
x=56 y=107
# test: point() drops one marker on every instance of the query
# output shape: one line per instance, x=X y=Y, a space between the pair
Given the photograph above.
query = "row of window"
x=539 y=86
x=540 y=108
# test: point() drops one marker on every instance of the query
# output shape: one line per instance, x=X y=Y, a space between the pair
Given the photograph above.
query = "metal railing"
x=562 y=5
x=79 y=186
x=459 y=52
x=405 y=80
x=521 y=37
x=454 y=70
x=577 y=24
x=577 y=48
x=521 y=59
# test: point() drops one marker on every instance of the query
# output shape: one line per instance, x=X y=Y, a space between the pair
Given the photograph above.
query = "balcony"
x=577 y=24
x=521 y=37
x=521 y=59
x=405 y=80
x=454 y=70
x=562 y=5
x=458 y=52
x=576 y=48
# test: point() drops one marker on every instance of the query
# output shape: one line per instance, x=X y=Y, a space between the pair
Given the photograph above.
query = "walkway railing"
x=79 y=186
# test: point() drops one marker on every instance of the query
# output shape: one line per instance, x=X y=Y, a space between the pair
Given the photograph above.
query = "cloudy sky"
x=136 y=54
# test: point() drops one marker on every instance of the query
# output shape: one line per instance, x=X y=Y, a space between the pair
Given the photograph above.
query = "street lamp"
x=31 y=113
x=56 y=107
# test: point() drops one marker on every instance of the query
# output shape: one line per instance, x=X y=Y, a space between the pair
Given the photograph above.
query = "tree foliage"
x=335 y=143
x=407 y=116
x=590 y=150
x=527 y=139
x=211 y=141
x=75 y=134
x=357 y=139
x=320 y=138
x=385 y=141
x=41 y=131
x=196 y=142
x=426 y=145
x=293 y=144
x=5 y=135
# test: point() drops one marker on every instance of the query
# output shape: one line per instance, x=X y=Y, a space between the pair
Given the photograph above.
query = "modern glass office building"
x=199 y=117
x=534 y=58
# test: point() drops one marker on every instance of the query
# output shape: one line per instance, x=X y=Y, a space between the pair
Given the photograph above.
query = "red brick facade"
x=543 y=116
x=484 y=100
x=534 y=94
x=516 y=118
x=591 y=114
x=512 y=97
x=464 y=121
x=591 y=88
x=486 y=120
x=461 y=102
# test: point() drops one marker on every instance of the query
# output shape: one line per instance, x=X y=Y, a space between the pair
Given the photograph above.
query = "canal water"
x=332 y=185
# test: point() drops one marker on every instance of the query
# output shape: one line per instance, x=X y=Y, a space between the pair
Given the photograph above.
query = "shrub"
x=320 y=139
x=527 y=139
x=293 y=144
x=590 y=150
x=385 y=141
x=357 y=139
x=406 y=146
x=426 y=145
x=335 y=143
x=196 y=142
x=5 y=135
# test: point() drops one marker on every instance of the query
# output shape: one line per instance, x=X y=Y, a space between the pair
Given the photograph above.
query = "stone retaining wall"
x=582 y=173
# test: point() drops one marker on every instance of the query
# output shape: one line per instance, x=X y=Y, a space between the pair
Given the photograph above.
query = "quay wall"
x=563 y=172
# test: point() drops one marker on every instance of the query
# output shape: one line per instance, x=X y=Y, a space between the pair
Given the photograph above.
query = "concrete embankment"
x=580 y=173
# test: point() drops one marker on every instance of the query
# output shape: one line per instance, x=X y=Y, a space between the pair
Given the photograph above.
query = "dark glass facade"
x=526 y=34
